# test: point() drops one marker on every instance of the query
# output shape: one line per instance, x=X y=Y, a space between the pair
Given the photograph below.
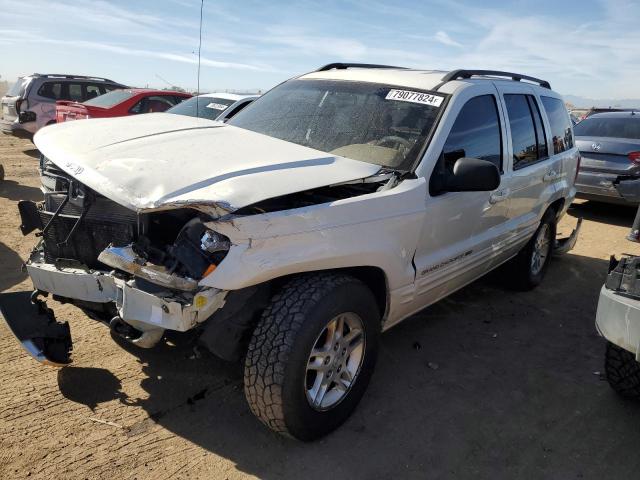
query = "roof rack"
x=458 y=74
x=78 y=77
x=343 y=66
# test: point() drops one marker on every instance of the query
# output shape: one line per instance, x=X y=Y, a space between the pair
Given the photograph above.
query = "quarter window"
x=560 y=124
x=527 y=131
x=51 y=90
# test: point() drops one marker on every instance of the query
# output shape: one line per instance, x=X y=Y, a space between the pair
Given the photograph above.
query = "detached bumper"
x=141 y=309
x=618 y=320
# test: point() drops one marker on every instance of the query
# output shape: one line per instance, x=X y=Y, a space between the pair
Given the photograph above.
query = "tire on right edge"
x=276 y=368
x=622 y=371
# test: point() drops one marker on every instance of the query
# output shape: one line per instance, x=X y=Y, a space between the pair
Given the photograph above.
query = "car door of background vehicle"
x=535 y=168
x=461 y=229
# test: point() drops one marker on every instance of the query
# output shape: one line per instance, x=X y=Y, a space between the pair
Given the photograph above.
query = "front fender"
x=379 y=229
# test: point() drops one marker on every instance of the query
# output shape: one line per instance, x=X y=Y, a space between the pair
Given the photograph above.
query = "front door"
x=463 y=230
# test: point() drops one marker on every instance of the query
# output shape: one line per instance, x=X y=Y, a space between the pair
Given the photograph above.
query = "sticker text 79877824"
x=414 y=97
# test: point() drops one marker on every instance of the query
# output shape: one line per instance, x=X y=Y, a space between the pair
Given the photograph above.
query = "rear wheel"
x=622 y=371
x=312 y=355
x=527 y=269
x=1 y=173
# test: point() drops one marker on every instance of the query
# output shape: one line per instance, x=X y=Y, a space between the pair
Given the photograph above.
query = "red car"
x=119 y=103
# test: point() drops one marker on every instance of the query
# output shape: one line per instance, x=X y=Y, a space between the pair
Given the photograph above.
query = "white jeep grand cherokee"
x=330 y=209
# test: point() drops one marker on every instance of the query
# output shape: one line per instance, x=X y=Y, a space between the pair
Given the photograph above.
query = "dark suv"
x=30 y=104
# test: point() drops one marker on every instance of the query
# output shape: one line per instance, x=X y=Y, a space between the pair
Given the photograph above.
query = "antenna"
x=164 y=80
x=199 y=49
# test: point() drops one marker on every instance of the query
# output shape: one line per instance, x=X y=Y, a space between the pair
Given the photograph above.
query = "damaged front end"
x=137 y=272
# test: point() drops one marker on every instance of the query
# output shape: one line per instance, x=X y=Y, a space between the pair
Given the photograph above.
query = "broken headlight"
x=198 y=250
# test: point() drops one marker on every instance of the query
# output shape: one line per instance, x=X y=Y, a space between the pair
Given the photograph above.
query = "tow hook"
x=563 y=245
x=36 y=328
x=142 y=339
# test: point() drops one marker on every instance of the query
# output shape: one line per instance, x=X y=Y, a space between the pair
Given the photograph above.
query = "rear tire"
x=622 y=371
x=306 y=370
x=528 y=268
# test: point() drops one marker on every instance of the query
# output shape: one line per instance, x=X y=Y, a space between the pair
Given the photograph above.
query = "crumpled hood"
x=162 y=160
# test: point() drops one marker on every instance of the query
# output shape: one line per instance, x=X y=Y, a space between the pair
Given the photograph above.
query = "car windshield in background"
x=110 y=99
x=18 y=88
x=384 y=125
x=203 y=107
x=609 y=127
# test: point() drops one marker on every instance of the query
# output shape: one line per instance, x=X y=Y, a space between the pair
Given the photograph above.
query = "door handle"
x=499 y=196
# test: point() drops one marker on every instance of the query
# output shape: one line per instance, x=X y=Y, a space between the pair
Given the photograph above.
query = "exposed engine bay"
x=81 y=227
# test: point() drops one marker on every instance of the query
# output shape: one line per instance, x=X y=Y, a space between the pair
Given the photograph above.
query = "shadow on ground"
x=488 y=383
x=12 y=190
x=11 y=265
x=32 y=152
x=619 y=215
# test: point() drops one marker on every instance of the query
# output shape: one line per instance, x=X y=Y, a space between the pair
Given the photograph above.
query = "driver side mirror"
x=473 y=175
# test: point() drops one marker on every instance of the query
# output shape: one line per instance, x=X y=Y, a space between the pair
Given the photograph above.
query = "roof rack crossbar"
x=342 y=66
x=79 y=77
x=459 y=74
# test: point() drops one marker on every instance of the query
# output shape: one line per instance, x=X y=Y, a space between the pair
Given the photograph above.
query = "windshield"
x=205 y=107
x=370 y=122
x=609 y=127
x=110 y=99
x=18 y=88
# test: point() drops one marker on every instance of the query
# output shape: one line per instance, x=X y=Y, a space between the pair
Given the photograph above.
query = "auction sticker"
x=415 y=97
x=217 y=106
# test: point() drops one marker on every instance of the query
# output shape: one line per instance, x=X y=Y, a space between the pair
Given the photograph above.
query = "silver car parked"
x=30 y=104
x=609 y=144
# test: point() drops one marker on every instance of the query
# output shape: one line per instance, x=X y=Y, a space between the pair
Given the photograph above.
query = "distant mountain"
x=582 y=102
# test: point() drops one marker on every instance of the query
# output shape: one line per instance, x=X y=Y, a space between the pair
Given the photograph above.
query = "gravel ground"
x=486 y=384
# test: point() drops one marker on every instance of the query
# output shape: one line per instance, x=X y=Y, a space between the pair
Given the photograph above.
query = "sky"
x=589 y=48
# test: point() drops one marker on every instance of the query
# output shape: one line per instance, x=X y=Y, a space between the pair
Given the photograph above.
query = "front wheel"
x=312 y=355
x=622 y=371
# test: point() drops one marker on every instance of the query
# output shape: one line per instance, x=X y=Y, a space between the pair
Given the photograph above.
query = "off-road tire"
x=520 y=273
x=1 y=173
x=276 y=362
x=622 y=371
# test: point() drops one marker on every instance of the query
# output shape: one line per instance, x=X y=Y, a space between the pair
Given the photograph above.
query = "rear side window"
x=475 y=133
x=156 y=103
x=75 y=92
x=51 y=90
x=560 y=124
x=93 y=91
x=610 y=127
x=110 y=99
x=527 y=131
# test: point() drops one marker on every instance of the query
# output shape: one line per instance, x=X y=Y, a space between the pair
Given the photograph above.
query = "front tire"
x=312 y=355
x=622 y=371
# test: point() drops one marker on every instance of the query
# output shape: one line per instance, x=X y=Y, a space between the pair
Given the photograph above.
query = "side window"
x=541 y=136
x=93 y=91
x=527 y=131
x=156 y=103
x=475 y=133
x=75 y=92
x=228 y=115
x=560 y=124
x=51 y=90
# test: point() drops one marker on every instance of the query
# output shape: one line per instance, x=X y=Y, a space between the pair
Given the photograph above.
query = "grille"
x=105 y=223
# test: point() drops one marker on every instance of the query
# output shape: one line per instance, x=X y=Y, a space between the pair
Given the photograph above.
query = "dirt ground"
x=486 y=384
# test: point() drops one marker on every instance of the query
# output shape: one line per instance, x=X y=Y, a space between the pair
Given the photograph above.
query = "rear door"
x=16 y=93
x=536 y=167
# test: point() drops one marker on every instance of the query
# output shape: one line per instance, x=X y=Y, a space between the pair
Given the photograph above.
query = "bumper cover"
x=35 y=327
x=618 y=320
x=142 y=310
